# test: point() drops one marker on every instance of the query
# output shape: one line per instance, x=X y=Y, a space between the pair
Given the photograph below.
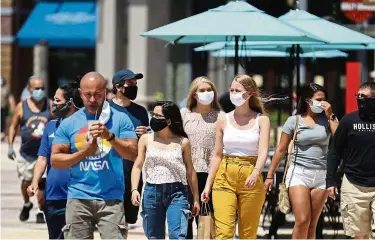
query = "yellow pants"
x=230 y=196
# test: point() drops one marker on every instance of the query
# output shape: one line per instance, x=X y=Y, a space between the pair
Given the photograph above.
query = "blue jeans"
x=165 y=201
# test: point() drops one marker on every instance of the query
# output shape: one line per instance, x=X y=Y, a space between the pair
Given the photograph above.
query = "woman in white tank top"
x=168 y=168
x=241 y=149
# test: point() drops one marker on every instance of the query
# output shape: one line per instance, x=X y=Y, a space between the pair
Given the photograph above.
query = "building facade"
x=7 y=39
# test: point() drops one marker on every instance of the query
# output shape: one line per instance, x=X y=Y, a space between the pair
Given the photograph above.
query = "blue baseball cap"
x=125 y=74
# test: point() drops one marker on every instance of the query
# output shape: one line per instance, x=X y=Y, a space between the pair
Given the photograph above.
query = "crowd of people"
x=92 y=162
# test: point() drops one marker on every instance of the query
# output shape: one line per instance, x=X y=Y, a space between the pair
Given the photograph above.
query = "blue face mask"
x=38 y=95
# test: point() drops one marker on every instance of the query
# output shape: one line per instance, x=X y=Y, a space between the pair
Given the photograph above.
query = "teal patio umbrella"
x=334 y=36
x=327 y=31
x=271 y=53
x=323 y=29
x=236 y=21
x=282 y=46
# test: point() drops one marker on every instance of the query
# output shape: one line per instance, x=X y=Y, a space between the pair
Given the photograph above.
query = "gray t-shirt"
x=311 y=145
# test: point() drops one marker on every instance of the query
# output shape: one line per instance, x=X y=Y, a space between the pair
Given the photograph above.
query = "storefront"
x=63 y=35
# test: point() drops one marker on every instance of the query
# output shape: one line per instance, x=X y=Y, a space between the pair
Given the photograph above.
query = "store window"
x=66 y=64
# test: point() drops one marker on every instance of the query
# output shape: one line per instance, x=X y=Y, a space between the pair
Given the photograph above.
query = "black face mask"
x=61 y=110
x=158 y=124
x=131 y=92
x=366 y=107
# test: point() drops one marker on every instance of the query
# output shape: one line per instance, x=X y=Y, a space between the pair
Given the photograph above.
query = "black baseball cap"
x=125 y=74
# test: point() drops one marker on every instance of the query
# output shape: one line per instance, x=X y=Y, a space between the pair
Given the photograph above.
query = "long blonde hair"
x=192 y=102
x=255 y=101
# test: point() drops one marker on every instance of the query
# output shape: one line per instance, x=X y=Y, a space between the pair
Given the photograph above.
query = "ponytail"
x=71 y=92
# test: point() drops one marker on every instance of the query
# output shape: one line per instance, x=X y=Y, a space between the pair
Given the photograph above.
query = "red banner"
x=353 y=80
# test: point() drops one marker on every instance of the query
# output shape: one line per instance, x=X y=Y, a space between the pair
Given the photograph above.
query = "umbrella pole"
x=298 y=63
x=291 y=77
x=236 y=59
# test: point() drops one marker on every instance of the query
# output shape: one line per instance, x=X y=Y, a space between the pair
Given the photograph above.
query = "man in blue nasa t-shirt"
x=92 y=143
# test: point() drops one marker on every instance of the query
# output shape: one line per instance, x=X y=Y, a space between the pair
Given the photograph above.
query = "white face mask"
x=103 y=117
x=205 y=98
x=237 y=99
x=316 y=107
x=105 y=114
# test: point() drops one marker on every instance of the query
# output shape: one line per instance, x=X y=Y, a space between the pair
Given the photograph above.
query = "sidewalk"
x=11 y=204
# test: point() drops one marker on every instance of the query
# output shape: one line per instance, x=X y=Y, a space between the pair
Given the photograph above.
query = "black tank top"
x=32 y=127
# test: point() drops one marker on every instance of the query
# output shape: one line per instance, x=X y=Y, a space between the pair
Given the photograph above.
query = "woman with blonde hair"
x=199 y=117
x=241 y=150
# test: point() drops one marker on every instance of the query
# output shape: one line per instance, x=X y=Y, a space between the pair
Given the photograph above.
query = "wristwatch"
x=332 y=117
x=111 y=137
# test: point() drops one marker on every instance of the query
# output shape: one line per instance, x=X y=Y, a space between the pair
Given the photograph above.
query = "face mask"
x=316 y=107
x=61 y=110
x=131 y=92
x=38 y=95
x=105 y=114
x=103 y=117
x=237 y=99
x=366 y=108
x=206 y=98
x=158 y=124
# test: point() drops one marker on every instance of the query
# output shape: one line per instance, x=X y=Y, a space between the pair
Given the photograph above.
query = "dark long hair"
x=71 y=92
x=172 y=112
x=306 y=93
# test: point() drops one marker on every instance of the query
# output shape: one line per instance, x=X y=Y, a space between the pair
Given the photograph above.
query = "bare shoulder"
x=185 y=143
x=19 y=106
x=221 y=115
x=143 y=139
x=222 y=119
x=264 y=120
x=18 y=110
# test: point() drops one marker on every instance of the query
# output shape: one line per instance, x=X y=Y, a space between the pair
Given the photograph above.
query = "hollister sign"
x=358 y=10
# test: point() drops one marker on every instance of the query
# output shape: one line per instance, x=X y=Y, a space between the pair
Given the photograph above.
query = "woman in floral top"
x=200 y=116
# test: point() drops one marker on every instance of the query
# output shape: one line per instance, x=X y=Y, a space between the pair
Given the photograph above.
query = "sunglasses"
x=39 y=88
x=157 y=116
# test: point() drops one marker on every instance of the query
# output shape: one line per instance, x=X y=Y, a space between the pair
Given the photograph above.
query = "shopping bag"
x=284 y=203
x=206 y=223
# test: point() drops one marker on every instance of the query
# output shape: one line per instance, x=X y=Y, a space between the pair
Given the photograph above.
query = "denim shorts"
x=162 y=202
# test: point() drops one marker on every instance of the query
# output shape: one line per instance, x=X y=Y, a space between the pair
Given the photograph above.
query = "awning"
x=60 y=24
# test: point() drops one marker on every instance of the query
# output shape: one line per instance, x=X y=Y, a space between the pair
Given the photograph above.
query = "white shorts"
x=311 y=178
x=25 y=168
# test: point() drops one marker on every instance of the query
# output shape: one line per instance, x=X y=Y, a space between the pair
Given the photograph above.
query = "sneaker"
x=40 y=218
x=25 y=213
